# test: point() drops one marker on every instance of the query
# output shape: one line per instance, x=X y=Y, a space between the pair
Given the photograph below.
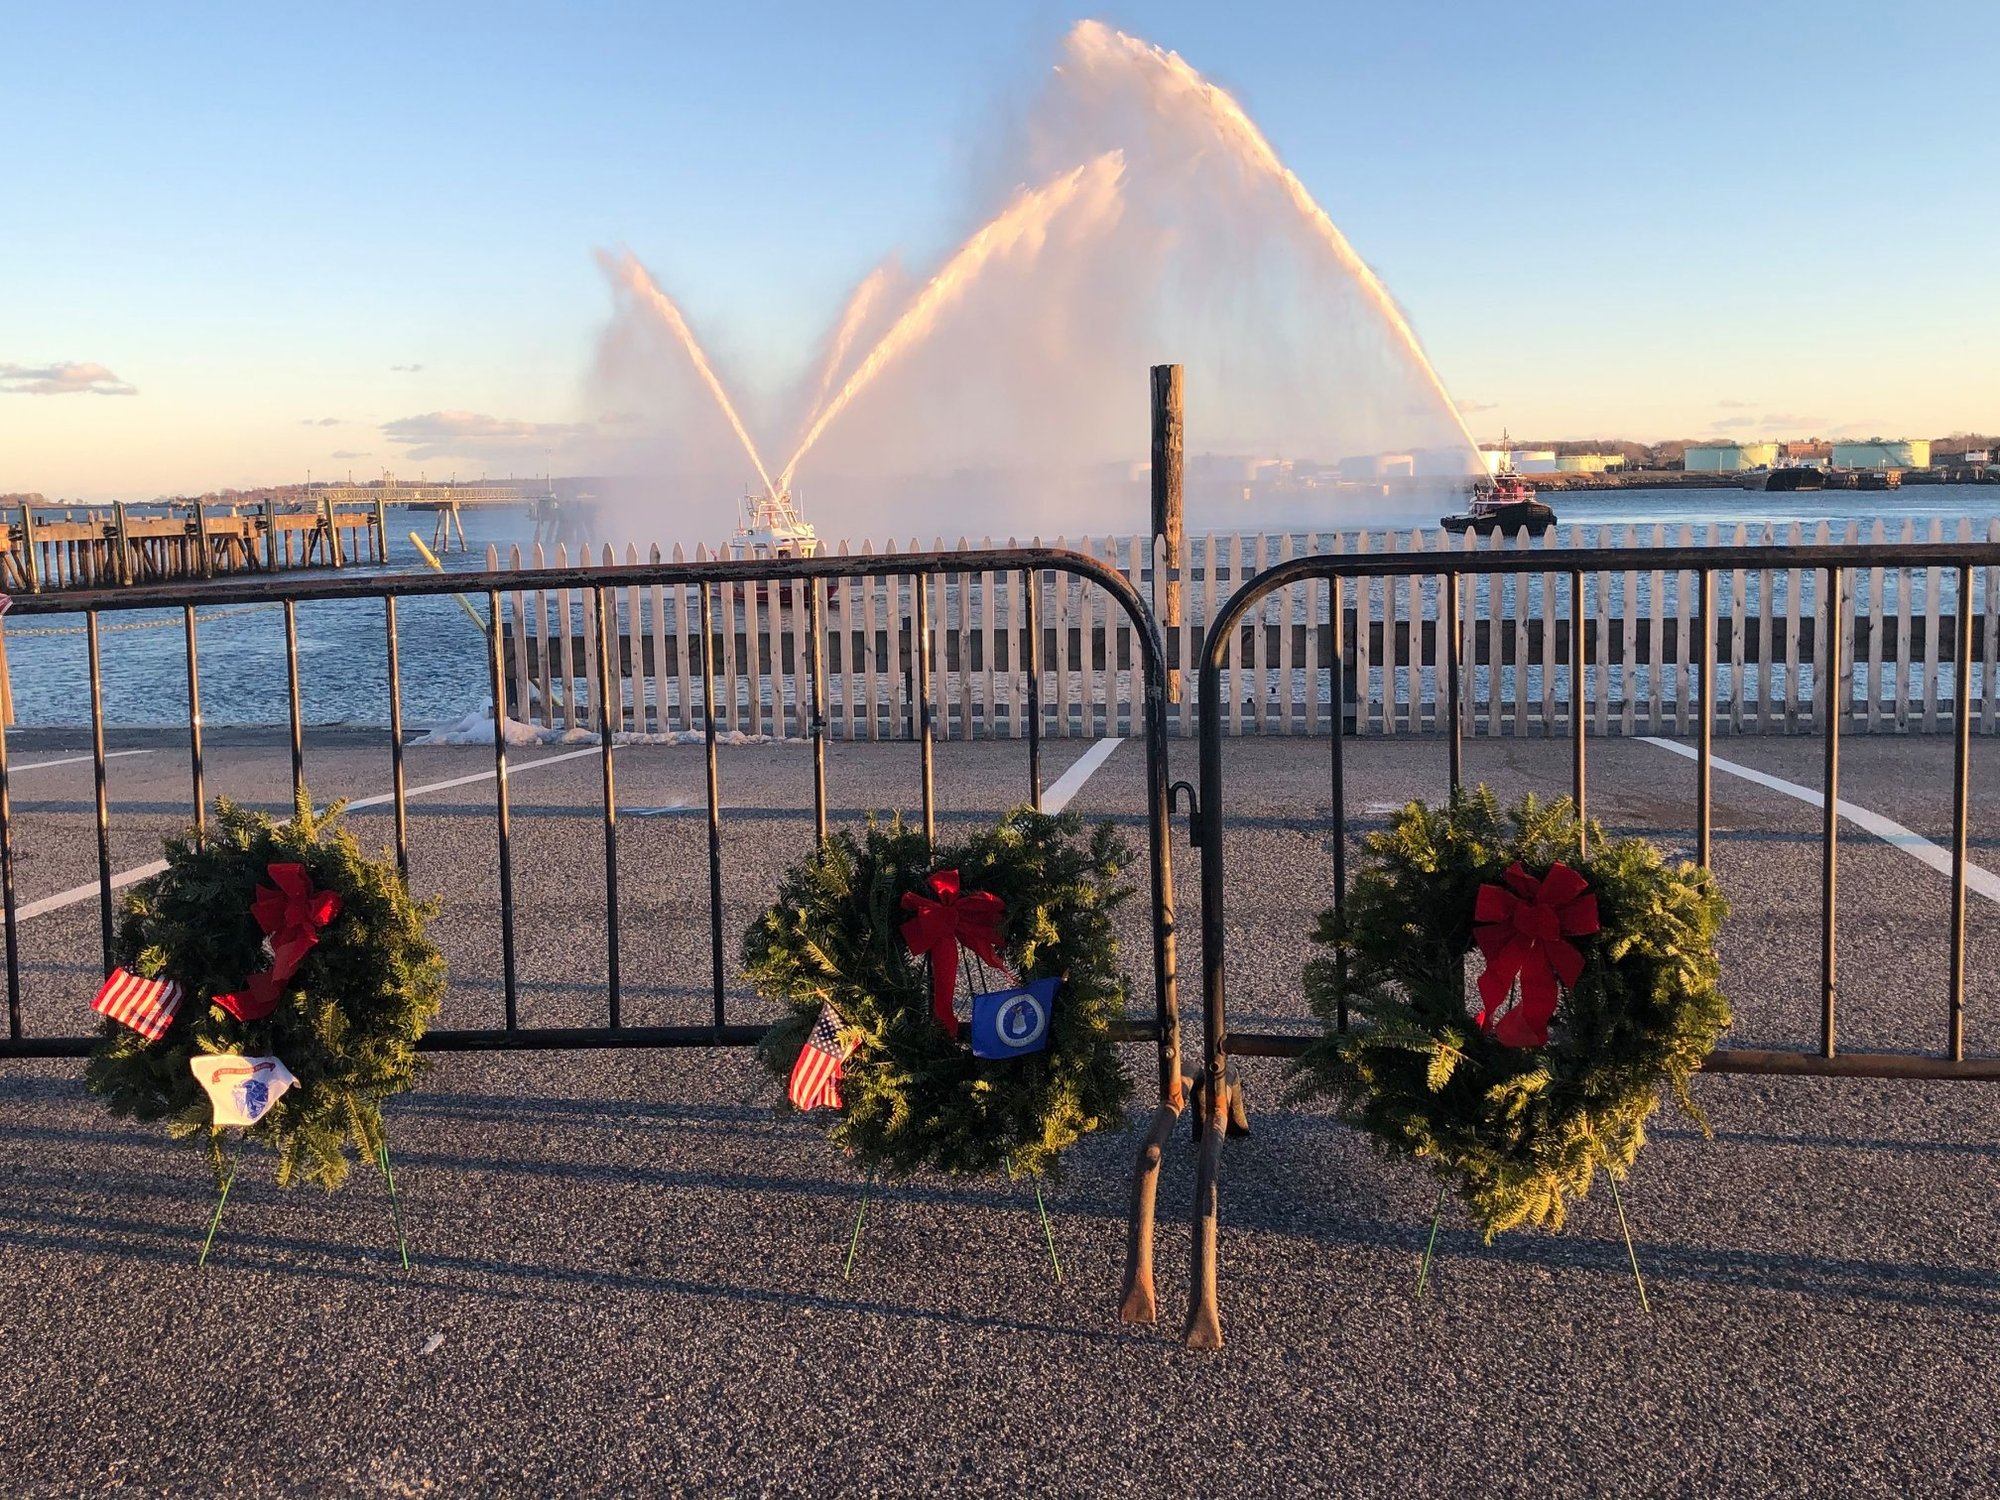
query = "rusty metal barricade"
x=718 y=583
x=1573 y=649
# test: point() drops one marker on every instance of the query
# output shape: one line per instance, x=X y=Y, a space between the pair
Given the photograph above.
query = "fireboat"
x=1510 y=507
x=769 y=526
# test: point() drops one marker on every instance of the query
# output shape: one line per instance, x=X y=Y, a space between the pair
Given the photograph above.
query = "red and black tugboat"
x=1510 y=507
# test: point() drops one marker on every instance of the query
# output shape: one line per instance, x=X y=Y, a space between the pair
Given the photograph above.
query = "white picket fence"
x=1641 y=633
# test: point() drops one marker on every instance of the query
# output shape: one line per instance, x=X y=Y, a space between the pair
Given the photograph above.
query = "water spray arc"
x=859 y=304
x=1168 y=78
x=628 y=273
x=1023 y=224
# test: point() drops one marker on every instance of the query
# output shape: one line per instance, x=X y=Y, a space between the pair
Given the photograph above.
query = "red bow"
x=940 y=926
x=290 y=915
x=1523 y=927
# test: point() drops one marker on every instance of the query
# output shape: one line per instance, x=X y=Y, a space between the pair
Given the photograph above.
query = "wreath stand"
x=229 y=1180
x=1624 y=1226
x=861 y=1211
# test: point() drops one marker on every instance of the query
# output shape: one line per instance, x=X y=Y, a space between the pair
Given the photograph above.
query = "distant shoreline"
x=1680 y=479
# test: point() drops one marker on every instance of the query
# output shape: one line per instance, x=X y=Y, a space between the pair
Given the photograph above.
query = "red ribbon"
x=1522 y=929
x=939 y=926
x=291 y=913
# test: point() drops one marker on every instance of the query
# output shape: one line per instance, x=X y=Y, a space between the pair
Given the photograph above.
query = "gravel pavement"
x=627 y=1273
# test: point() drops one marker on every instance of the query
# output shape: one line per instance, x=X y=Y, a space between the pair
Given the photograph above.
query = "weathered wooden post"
x=332 y=524
x=381 y=528
x=201 y=538
x=270 y=533
x=1168 y=471
x=124 y=541
x=33 y=571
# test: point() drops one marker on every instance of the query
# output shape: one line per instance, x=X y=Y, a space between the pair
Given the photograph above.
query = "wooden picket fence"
x=1641 y=637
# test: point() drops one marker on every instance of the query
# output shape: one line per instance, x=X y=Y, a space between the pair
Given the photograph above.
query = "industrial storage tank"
x=1729 y=458
x=1880 y=453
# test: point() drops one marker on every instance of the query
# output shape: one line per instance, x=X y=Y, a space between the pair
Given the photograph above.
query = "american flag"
x=816 y=1075
x=146 y=1005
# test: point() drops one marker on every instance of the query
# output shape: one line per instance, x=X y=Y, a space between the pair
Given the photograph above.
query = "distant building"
x=1589 y=463
x=1729 y=458
x=1878 y=453
x=1811 y=454
x=1534 y=461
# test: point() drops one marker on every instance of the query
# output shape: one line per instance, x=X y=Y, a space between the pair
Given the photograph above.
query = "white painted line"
x=1919 y=848
x=84 y=892
x=514 y=768
x=1056 y=798
x=124 y=878
x=73 y=760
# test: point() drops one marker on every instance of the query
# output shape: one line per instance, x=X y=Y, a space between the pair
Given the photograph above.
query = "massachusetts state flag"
x=146 y=1005
x=816 y=1075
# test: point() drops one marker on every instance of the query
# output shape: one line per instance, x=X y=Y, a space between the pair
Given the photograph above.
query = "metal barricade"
x=1834 y=566
x=718 y=582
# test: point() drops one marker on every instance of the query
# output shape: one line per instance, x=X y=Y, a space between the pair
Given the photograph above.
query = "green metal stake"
x=215 y=1220
x=395 y=1206
x=1631 y=1254
x=1424 y=1270
x=1047 y=1231
x=855 y=1243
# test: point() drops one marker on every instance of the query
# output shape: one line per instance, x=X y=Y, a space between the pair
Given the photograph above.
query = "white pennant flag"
x=242 y=1089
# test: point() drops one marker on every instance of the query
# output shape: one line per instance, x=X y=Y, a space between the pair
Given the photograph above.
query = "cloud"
x=62 y=380
x=319 y=421
x=345 y=453
x=1469 y=407
x=1736 y=422
x=1791 y=421
x=436 y=434
x=1735 y=405
x=406 y=369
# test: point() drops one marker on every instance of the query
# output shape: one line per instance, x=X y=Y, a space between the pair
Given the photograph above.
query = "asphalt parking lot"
x=628 y=1273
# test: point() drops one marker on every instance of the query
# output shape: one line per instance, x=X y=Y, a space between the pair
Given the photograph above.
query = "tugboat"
x=1510 y=507
x=770 y=527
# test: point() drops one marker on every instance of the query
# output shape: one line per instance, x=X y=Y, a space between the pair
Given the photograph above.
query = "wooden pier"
x=45 y=547
x=53 y=546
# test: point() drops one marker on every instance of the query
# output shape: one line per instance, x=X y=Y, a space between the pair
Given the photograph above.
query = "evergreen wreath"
x=913 y=1095
x=1515 y=1129
x=346 y=1021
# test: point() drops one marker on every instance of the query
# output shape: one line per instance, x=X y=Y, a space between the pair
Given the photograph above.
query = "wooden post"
x=382 y=532
x=270 y=533
x=332 y=531
x=33 y=571
x=1167 y=508
x=201 y=538
x=125 y=570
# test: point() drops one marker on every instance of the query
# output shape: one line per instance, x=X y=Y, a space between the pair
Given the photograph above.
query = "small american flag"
x=146 y=1005
x=816 y=1075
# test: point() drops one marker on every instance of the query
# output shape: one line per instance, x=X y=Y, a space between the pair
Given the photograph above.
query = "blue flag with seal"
x=1013 y=1023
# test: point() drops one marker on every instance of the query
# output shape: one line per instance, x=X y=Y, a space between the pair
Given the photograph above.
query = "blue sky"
x=1623 y=220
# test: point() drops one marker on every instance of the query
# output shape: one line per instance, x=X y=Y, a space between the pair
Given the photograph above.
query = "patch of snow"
x=476 y=728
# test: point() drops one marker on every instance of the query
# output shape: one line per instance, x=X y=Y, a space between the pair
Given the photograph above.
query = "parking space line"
x=1057 y=797
x=73 y=760
x=1919 y=848
x=132 y=876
